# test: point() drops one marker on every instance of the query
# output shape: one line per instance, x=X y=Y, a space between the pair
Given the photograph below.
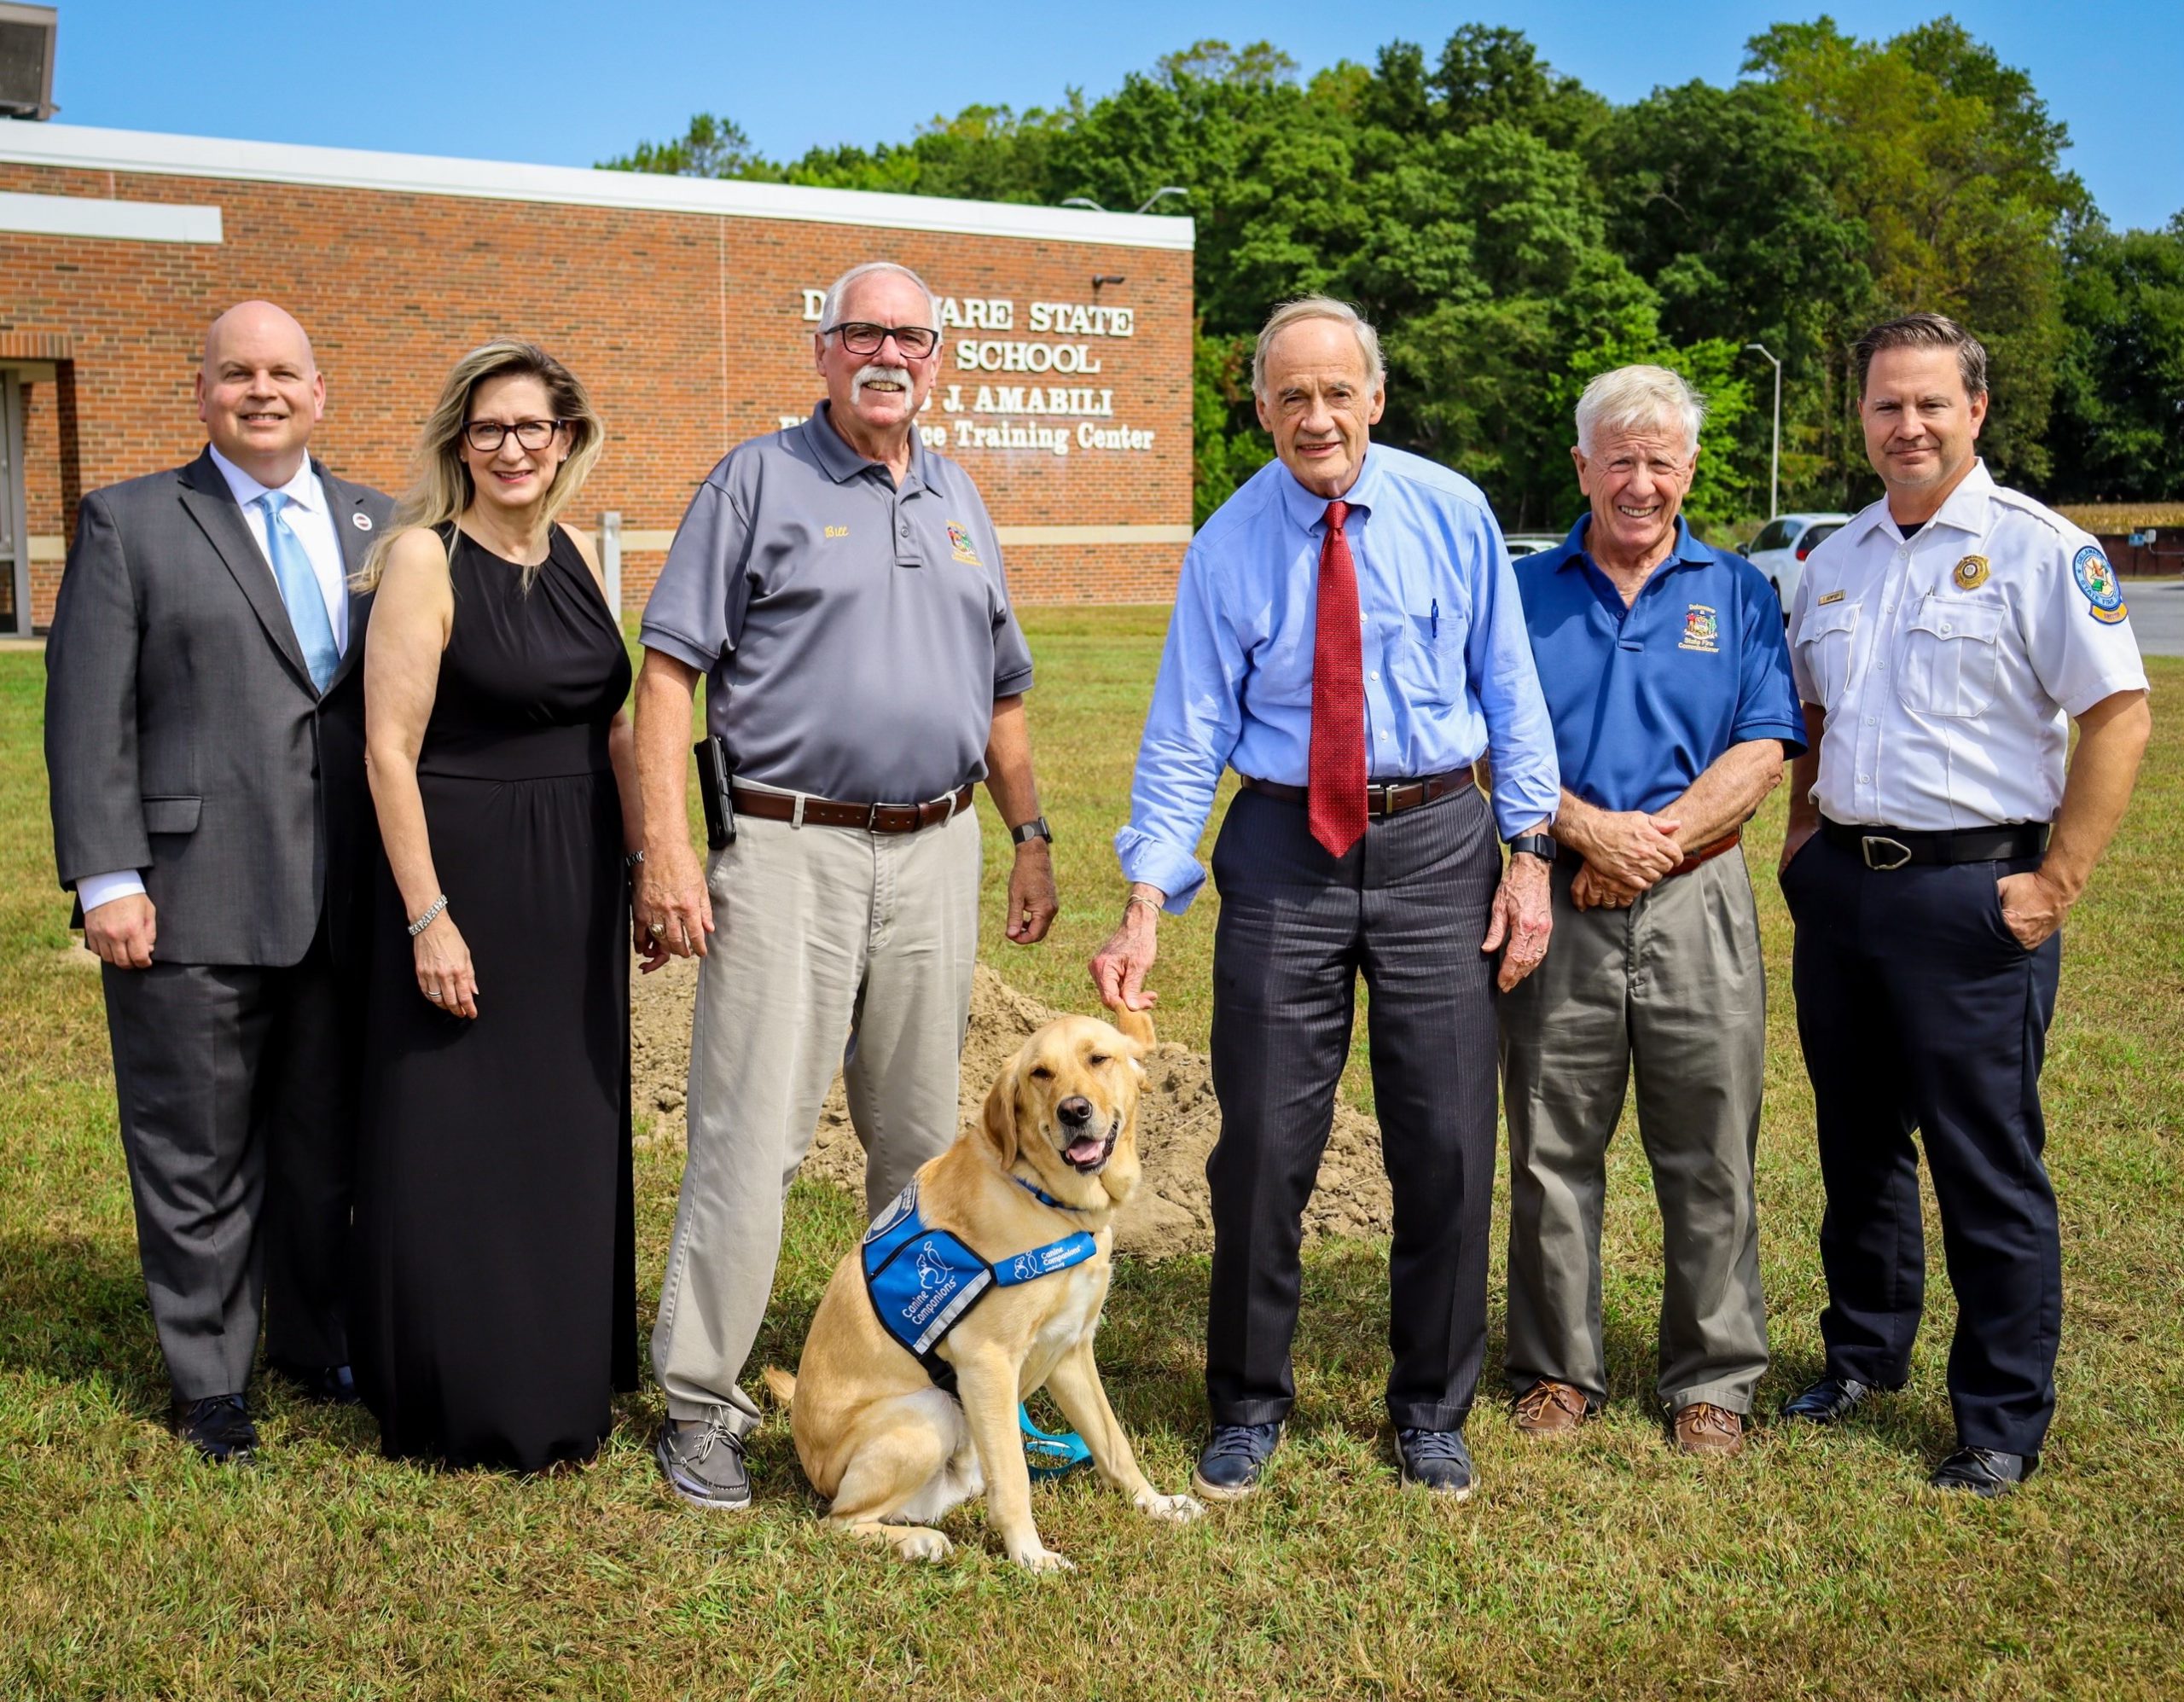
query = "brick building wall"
x=687 y=324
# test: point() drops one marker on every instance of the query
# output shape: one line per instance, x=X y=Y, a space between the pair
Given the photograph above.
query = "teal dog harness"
x=924 y=1281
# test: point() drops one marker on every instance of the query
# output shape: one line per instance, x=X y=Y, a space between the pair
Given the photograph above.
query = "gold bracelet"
x=1140 y=898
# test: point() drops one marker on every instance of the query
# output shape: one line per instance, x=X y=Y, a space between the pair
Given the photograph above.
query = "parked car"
x=1780 y=549
x=1531 y=543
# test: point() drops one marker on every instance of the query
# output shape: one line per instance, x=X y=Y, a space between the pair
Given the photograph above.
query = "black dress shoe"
x=219 y=1427
x=1985 y=1471
x=1829 y=1401
x=333 y=1384
x=1436 y=1459
x=1234 y=1458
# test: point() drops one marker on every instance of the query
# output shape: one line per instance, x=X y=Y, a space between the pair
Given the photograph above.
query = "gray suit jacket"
x=184 y=737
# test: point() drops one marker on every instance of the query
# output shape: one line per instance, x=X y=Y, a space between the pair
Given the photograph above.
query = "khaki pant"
x=1671 y=991
x=827 y=938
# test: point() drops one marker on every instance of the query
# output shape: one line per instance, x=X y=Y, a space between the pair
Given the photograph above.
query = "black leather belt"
x=1887 y=848
x=1382 y=796
x=826 y=812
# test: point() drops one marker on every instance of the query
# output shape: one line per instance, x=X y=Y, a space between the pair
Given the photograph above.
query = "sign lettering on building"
x=1063 y=340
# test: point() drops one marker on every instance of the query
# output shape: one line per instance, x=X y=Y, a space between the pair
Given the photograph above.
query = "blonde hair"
x=441 y=488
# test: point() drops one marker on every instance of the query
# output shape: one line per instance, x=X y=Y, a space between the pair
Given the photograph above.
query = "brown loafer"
x=1704 y=1428
x=1550 y=1408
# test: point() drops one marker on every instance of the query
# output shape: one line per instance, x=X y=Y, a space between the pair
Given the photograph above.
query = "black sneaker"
x=1234 y=1460
x=1436 y=1459
x=1985 y=1471
x=703 y=1459
x=1829 y=1401
x=219 y=1427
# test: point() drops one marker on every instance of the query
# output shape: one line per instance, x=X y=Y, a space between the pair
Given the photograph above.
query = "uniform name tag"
x=1832 y=597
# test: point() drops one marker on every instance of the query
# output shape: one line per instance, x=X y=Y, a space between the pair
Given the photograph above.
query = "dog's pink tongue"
x=1084 y=1149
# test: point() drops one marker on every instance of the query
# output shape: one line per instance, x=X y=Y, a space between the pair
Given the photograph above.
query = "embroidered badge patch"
x=1701 y=630
x=959 y=541
x=1971 y=573
x=2097 y=579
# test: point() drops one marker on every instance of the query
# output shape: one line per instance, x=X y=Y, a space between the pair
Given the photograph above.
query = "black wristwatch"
x=1541 y=845
x=1035 y=829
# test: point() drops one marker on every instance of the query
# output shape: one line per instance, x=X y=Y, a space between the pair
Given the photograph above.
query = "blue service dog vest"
x=924 y=1281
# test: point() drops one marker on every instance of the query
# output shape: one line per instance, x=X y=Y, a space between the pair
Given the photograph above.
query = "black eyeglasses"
x=861 y=337
x=487 y=436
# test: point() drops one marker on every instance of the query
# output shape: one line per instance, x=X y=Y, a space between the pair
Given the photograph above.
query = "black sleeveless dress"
x=497 y=1307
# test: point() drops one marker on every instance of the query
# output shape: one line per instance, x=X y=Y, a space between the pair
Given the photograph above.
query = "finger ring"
x=434 y=994
x=656 y=929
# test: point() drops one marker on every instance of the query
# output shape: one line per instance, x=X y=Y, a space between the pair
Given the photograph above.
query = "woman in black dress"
x=495 y=1315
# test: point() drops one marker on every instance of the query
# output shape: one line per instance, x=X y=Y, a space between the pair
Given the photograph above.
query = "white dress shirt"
x=1948 y=663
x=312 y=519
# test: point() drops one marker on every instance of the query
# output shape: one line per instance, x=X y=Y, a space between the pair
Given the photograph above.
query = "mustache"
x=875 y=374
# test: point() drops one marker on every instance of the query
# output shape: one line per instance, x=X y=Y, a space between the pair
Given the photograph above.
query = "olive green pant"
x=1670 y=994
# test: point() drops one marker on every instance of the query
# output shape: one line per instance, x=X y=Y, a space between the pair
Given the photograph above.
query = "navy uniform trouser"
x=1918 y=1009
x=1407 y=908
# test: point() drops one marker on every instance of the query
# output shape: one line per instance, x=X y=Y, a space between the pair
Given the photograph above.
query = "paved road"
x=2156 y=614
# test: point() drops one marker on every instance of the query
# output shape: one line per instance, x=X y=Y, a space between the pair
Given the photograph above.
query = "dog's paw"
x=1171 y=1509
x=922 y=1545
x=1043 y=1560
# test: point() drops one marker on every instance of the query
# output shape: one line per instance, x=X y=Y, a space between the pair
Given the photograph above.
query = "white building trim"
x=85 y=148
x=96 y=215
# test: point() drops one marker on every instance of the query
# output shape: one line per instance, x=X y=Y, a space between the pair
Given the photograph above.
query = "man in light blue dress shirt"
x=1347 y=635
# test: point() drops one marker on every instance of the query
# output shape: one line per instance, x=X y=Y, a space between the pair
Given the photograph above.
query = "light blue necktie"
x=300 y=590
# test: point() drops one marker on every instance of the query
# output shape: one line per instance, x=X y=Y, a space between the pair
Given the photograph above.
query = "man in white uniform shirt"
x=1941 y=642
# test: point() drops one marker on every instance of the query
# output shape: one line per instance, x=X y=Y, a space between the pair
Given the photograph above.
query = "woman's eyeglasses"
x=487 y=436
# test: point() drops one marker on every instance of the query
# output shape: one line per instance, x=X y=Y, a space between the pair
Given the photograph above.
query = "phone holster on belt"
x=713 y=792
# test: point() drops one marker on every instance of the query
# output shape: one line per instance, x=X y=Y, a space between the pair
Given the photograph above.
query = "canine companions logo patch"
x=2097 y=579
x=959 y=541
x=1702 y=631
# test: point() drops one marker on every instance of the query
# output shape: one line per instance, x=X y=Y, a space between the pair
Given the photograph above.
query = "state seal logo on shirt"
x=1702 y=631
x=1971 y=573
x=2097 y=579
x=959 y=541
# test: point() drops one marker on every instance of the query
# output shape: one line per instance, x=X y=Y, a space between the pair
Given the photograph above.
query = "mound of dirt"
x=1178 y=1119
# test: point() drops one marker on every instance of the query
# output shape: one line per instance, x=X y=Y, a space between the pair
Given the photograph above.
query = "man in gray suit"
x=204 y=739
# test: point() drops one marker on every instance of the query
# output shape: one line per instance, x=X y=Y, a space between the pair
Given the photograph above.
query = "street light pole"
x=1775 y=464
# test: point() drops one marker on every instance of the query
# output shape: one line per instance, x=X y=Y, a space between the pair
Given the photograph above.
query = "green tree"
x=2118 y=432
x=1949 y=160
x=712 y=147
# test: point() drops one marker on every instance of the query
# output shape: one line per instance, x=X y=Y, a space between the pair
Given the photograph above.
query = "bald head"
x=258 y=391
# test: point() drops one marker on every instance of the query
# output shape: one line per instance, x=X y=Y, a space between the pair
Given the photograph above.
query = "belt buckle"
x=1869 y=842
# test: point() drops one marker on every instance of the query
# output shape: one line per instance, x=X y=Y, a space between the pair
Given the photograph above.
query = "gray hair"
x=830 y=310
x=1632 y=398
x=1318 y=307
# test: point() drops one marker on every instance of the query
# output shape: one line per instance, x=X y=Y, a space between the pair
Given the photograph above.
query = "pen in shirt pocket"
x=1436 y=616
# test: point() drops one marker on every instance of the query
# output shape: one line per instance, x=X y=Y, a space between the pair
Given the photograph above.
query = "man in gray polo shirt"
x=839 y=588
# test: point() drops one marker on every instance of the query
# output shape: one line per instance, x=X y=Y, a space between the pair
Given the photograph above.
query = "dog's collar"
x=1042 y=1196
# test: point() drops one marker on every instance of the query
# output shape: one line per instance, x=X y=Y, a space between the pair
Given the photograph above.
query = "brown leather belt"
x=873 y=818
x=1705 y=854
x=1382 y=796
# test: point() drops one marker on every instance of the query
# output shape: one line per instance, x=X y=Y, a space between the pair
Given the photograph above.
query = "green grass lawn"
x=1817 y=1564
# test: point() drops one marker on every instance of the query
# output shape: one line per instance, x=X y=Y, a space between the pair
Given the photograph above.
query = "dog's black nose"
x=1076 y=1109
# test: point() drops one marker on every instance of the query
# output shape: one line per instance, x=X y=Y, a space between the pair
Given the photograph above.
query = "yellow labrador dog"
x=985 y=1276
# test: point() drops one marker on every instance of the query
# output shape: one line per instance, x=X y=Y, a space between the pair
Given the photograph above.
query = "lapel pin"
x=362 y=521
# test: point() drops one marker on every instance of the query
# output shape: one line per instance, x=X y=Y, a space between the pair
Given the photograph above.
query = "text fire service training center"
x=686 y=305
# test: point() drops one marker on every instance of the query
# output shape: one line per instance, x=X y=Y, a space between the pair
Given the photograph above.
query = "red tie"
x=1336 y=809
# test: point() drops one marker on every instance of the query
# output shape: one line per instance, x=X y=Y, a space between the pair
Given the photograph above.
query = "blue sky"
x=562 y=82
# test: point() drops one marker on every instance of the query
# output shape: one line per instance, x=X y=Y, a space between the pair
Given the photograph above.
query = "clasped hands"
x=1626 y=853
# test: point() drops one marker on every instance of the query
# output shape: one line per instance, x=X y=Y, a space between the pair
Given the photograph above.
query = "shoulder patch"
x=2097 y=579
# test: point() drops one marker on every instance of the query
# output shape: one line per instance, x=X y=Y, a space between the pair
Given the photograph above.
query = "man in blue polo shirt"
x=1669 y=689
